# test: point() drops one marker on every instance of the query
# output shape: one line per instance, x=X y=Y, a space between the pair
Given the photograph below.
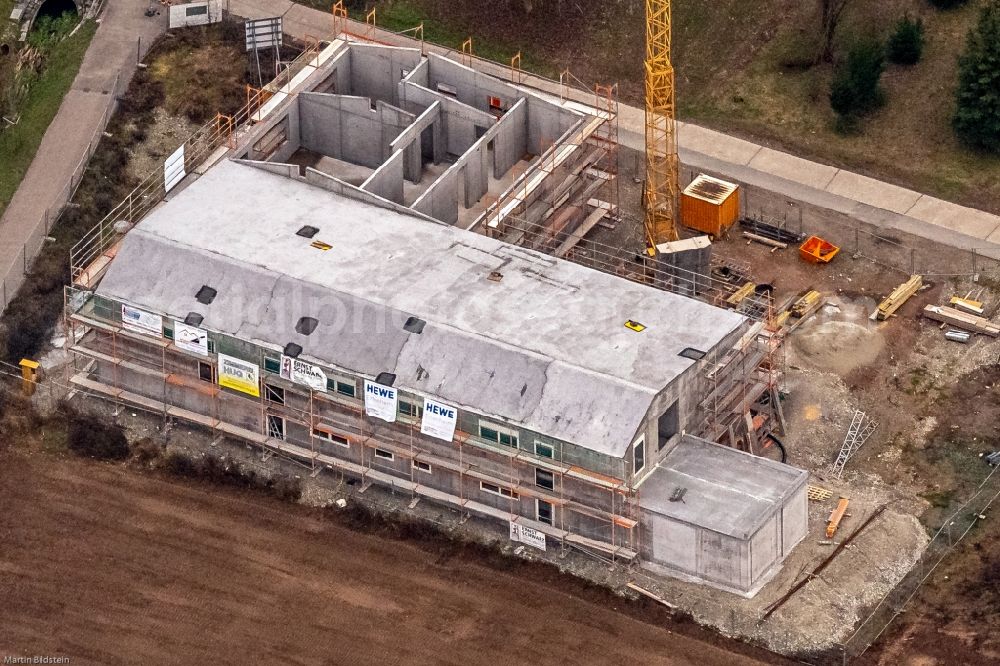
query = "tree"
x=948 y=4
x=977 y=117
x=856 y=89
x=907 y=43
x=830 y=12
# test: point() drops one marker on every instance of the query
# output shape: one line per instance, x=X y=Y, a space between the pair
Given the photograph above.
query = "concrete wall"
x=376 y=69
x=348 y=128
x=461 y=120
x=794 y=520
x=332 y=184
x=387 y=181
x=410 y=141
x=511 y=142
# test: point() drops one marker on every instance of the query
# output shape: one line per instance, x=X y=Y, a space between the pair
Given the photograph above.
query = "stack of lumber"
x=899 y=296
x=962 y=320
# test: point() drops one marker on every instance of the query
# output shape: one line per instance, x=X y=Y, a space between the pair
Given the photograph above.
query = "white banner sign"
x=190 y=338
x=173 y=169
x=301 y=372
x=142 y=322
x=439 y=420
x=527 y=535
x=380 y=401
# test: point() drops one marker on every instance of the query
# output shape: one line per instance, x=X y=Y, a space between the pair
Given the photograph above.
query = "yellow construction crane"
x=662 y=174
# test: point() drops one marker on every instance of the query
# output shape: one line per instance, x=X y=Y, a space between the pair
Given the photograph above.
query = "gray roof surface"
x=545 y=347
x=728 y=491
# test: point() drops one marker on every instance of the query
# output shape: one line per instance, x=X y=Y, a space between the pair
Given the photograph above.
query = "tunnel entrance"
x=53 y=9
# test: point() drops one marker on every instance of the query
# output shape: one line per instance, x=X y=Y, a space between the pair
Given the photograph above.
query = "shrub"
x=977 y=116
x=906 y=44
x=92 y=436
x=856 y=89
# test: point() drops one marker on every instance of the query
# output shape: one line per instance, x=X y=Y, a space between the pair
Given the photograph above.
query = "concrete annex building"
x=321 y=290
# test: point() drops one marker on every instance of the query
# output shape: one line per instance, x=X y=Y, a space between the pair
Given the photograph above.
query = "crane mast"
x=661 y=138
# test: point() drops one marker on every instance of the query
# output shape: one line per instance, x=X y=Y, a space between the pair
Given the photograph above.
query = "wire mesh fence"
x=951 y=533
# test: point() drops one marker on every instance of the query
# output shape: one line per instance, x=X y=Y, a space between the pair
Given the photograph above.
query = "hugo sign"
x=439 y=420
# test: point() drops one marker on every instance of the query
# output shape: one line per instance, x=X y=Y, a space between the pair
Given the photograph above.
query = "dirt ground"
x=106 y=564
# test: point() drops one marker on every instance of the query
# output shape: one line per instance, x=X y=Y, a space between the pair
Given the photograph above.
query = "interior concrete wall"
x=327 y=182
x=288 y=170
x=409 y=141
x=473 y=88
x=511 y=142
x=473 y=167
x=461 y=120
x=419 y=74
x=376 y=69
x=347 y=128
x=387 y=181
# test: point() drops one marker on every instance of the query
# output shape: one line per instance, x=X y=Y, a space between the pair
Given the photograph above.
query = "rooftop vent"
x=306 y=325
x=692 y=353
x=205 y=295
x=385 y=378
x=635 y=326
x=414 y=325
x=193 y=319
x=307 y=231
x=292 y=349
x=494 y=276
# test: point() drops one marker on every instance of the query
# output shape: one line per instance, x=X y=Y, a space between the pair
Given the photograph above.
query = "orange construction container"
x=710 y=205
x=818 y=251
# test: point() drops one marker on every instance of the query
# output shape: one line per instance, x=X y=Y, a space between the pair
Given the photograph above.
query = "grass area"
x=19 y=143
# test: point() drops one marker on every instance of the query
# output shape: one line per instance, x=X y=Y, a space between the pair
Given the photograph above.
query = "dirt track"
x=103 y=564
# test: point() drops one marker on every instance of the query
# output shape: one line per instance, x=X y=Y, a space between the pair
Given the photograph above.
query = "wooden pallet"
x=817 y=494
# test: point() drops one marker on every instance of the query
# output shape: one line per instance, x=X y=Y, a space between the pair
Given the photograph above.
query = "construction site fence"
x=17 y=271
x=858 y=240
x=952 y=532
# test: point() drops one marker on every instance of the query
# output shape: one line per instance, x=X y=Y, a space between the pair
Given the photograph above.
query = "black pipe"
x=781 y=447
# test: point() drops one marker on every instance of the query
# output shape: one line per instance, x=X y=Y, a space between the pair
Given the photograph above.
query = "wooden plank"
x=765 y=241
x=581 y=231
x=900 y=295
x=962 y=320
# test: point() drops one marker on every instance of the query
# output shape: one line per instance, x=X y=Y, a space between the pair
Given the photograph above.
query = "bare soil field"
x=105 y=564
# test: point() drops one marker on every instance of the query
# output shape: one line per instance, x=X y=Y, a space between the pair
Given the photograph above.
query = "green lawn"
x=19 y=143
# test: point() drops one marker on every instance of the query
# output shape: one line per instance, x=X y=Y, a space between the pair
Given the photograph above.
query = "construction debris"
x=962 y=320
x=900 y=295
x=860 y=430
x=836 y=516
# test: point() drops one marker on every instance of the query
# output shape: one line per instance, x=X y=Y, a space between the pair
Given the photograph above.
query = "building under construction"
x=382 y=270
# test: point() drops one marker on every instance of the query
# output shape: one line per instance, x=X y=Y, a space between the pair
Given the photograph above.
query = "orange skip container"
x=818 y=251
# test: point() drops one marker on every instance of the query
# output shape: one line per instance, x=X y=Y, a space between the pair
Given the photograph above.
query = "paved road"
x=879 y=204
x=112 y=51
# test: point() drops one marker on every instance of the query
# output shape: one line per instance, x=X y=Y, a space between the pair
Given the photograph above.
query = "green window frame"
x=272 y=365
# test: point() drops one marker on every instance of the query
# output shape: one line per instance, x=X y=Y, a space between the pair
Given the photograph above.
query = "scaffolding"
x=305 y=425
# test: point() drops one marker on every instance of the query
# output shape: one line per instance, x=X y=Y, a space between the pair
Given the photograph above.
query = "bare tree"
x=830 y=14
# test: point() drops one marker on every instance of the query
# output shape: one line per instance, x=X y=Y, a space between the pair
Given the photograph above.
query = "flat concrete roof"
x=727 y=491
x=544 y=347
